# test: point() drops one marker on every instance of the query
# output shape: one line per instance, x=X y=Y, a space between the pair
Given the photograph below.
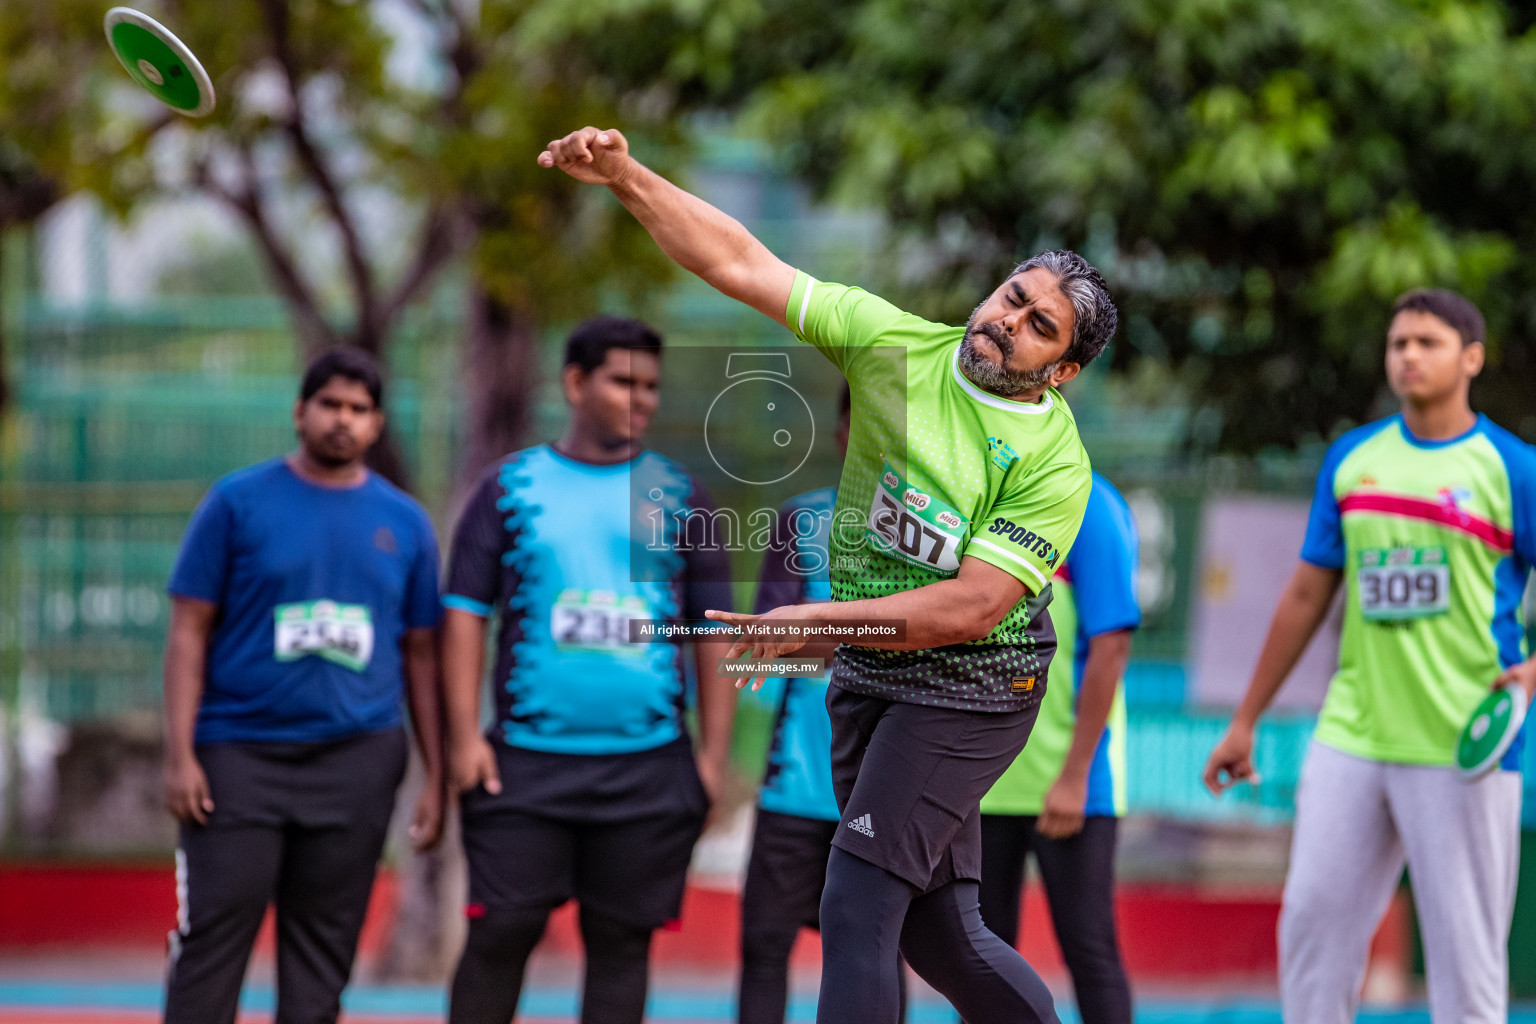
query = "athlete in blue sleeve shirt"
x=586 y=785
x=304 y=606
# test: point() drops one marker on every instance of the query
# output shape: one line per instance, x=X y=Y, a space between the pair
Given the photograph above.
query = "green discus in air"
x=159 y=62
x=1490 y=731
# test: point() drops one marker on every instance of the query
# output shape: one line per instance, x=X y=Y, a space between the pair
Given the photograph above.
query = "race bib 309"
x=1403 y=583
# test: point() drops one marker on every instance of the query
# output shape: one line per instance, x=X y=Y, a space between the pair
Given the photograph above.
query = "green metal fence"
x=120 y=420
x=122 y=417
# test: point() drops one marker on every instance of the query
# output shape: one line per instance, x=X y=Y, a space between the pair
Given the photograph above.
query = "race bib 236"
x=595 y=620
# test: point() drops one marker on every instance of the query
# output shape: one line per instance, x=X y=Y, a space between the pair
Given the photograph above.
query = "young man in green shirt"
x=964 y=486
x=1428 y=520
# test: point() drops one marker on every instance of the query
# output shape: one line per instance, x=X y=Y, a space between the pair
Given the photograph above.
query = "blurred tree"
x=1258 y=178
x=365 y=147
x=42 y=109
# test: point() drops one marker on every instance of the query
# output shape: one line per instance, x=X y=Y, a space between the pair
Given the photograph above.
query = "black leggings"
x=1079 y=878
x=489 y=978
x=870 y=917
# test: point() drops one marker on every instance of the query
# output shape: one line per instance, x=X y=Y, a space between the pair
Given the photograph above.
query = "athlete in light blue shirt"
x=586 y=785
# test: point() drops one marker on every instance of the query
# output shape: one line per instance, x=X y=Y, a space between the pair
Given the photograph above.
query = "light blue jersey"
x=564 y=554
x=796 y=570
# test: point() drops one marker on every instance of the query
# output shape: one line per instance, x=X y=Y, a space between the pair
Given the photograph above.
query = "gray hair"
x=1094 y=315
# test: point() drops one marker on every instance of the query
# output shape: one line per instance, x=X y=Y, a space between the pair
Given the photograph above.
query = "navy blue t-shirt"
x=564 y=554
x=316 y=587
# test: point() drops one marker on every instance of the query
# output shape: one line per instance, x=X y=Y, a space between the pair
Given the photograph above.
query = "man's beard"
x=996 y=377
x=330 y=451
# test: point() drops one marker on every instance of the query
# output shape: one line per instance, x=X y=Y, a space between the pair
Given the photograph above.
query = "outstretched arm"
x=952 y=611
x=1301 y=610
x=698 y=237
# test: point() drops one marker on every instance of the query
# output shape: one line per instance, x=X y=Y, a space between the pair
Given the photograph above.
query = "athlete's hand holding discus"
x=1522 y=675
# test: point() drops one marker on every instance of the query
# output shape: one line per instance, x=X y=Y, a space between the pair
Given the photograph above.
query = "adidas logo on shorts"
x=861 y=824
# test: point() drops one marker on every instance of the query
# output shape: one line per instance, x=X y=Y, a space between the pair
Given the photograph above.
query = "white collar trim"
x=1026 y=408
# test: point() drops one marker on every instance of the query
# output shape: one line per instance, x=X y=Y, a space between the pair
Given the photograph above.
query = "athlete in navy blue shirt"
x=586 y=785
x=304 y=608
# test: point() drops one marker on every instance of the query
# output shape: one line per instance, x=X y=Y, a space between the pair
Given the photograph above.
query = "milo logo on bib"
x=342 y=633
x=908 y=523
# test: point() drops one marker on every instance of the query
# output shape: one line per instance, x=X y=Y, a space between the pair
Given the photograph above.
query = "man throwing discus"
x=1428 y=521
x=963 y=489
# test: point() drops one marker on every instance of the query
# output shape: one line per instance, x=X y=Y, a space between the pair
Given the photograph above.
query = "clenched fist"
x=597 y=157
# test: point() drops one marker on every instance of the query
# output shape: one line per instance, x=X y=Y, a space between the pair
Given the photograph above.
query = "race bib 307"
x=914 y=526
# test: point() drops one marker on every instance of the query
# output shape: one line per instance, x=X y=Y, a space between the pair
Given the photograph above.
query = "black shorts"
x=786 y=872
x=615 y=832
x=910 y=777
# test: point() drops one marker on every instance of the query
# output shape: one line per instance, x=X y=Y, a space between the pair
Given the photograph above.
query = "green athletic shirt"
x=1435 y=540
x=938 y=469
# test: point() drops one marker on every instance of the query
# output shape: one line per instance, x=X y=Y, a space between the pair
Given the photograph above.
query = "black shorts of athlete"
x=910 y=777
x=786 y=871
x=615 y=832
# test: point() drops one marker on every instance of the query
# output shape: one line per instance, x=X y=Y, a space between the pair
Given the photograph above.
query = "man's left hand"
x=1524 y=674
x=1062 y=815
x=761 y=648
x=427 y=820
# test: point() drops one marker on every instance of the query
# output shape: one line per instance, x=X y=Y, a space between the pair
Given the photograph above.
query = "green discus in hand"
x=1490 y=731
x=158 y=61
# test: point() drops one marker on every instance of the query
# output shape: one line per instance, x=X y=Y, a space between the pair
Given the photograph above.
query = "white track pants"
x=1357 y=821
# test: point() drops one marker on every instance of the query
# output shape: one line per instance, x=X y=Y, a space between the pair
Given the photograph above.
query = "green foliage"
x=317 y=119
x=1259 y=178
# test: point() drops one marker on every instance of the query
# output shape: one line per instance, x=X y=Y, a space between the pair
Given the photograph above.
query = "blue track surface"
x=668 y=1003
